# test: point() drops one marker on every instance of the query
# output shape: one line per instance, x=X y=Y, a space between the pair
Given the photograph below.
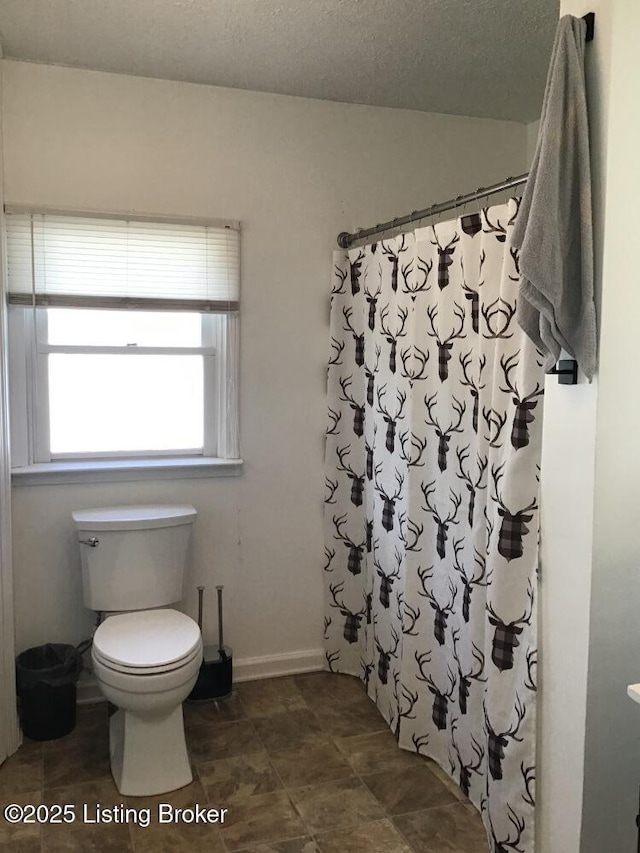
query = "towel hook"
x=566 y=370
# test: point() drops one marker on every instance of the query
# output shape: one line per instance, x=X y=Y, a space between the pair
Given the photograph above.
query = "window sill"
x=121 y=470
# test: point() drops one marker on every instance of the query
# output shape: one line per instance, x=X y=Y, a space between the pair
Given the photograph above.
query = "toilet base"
x=148 y=753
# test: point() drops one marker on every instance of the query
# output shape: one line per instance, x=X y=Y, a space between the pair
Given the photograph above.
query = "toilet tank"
x=133 y=557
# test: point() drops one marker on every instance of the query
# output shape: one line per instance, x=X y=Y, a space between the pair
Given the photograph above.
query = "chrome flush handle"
x=92 y=543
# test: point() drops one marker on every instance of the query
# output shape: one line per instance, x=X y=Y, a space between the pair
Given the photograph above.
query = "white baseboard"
x=271 y=666
x=244 y=669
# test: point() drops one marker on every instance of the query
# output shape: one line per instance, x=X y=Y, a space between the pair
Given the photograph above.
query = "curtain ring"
x=430 y=214
x=509 y=192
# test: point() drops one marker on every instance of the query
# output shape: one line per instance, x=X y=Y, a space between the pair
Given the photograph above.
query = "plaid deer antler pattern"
x=435 y=401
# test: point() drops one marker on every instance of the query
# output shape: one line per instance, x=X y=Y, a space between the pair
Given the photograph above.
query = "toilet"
x=146 y=656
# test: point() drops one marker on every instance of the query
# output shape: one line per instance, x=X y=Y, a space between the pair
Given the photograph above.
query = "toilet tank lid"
x=134 y=517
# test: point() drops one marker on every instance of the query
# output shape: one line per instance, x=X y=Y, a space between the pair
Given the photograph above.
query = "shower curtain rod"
x=346 y=240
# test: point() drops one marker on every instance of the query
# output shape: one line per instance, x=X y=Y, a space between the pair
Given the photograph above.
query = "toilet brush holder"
x=215 y=679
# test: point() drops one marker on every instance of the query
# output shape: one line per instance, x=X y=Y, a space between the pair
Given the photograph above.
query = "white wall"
x=567 y=485
x=567 y=522
x=567 y=477
x=612 y=750
x=295 y=172
x=590 y=731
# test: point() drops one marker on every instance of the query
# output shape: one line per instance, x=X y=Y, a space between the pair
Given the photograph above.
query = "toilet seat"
x=148 y=642
x=114 y=666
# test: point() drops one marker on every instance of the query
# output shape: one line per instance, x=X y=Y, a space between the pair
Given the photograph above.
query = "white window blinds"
x=90 y=261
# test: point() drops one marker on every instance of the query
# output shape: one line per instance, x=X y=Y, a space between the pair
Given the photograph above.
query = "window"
x=123 y=337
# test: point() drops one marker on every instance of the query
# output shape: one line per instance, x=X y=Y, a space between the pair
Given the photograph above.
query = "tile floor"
x=304 y=764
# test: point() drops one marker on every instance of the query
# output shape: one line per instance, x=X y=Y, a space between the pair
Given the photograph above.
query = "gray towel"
x=553 y=229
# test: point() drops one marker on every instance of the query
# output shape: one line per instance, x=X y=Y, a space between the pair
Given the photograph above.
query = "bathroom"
x=295 y=172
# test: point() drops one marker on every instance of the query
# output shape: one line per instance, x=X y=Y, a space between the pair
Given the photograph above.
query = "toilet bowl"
x=146 y=656
x=146 y=664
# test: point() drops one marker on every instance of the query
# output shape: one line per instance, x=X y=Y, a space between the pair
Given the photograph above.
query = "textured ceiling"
x=468 y=57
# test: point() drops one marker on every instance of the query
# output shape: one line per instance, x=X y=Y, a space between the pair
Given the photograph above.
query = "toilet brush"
x=223 y=658
x=215 y=679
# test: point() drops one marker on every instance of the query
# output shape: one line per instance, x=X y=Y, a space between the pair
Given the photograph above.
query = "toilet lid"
x=146 y=639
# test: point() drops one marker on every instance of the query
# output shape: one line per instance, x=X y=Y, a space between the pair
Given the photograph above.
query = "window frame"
x=31 y=457
x=29 y=390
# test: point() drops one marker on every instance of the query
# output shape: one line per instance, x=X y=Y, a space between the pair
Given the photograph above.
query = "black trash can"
x=46 y=679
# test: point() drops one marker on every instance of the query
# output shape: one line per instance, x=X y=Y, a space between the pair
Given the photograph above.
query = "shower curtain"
x=431 y=510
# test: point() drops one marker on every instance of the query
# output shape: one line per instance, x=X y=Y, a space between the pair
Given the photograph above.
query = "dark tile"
x=92 y=725
x=293 y=730
x=271 y=696
x=311 y=765
x=222 y=740
x=242 y=763
x=89 y=839
x=329 y=687
x=21 y=772
x=378 y=837
x=30 y=747
x=85 y=799
x=333 y=805
x=374 y=753
x=14 y=834
x=22 y=845
x=206 y=713
x=451 y=829
x=234 y=780
x=409 y=790
x=85 y=761
x=294 y=845
x=183 y=798
x=262 y=818
x=357 y=716
x=448 y=782
x=179 y=838
x=176 y=835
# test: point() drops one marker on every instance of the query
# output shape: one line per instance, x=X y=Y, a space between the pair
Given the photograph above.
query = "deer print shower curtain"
x=431 y=511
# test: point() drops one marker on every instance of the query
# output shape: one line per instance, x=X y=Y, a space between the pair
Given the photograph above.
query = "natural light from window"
x=124 y=402
x=86 y=327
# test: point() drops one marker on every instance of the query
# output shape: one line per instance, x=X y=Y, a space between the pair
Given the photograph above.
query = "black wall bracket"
x=567 y=371
x=590 y=21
